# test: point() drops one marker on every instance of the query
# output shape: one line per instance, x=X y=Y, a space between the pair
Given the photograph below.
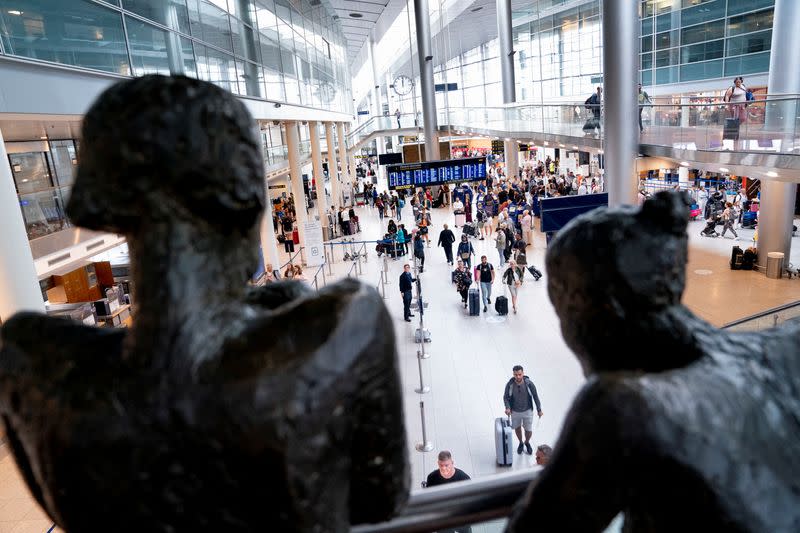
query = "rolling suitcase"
x=503 y=441
x=461 y=218
x=501 y=305
x=737 y=258
x=731 y=129
x=535 y=272
x=474 y=300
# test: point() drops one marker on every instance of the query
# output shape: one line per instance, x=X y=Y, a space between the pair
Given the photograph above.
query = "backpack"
x=588 y=103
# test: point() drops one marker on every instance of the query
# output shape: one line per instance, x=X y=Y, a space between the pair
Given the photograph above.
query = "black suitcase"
x=474 y=302
x=731 y=129
x=501 y=305
x=535 y=272
x=737 y=258
x=469 y=229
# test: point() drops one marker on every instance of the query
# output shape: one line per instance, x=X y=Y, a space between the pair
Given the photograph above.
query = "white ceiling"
x=376 y=16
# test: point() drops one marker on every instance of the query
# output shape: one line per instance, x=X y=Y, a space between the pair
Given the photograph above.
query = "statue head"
x=612 y=267
x=159 y=150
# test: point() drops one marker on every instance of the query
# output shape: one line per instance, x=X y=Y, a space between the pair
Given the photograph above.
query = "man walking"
x=406 y=285
x=446 y=240
x=519 y=397
x=485 y=274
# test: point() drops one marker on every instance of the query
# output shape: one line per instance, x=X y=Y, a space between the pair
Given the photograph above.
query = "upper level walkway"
x=768 y=144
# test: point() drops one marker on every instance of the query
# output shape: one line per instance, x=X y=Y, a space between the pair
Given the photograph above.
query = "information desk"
x=429 y=173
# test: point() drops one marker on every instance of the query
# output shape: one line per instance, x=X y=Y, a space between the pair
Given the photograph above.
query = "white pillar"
x=620 y=77
x=683 y=177
x=269 y=244
x=19 y=286
x=685 y=105
x=511 y=154
x=346 y=181
x=776 y=210
x=376 y=84
x=293 y=147
x=333 y=173
x=319 y=177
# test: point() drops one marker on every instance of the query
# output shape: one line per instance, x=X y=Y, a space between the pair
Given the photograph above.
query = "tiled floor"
x=471 y=357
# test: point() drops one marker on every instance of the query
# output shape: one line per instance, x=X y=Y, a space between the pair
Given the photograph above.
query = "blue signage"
x=436 y=172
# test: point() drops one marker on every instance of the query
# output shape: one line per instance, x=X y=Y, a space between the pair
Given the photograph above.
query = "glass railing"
x=766 y=319
x=767 y=125
x=386 y=122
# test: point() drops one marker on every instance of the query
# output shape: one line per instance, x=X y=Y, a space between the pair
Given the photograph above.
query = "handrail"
x=761 y=314
x=320 y=269
x=457 y=504
x=291 y=258
x=352 y=268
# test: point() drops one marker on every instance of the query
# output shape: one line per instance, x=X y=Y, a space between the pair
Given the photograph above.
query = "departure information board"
x=436 y=172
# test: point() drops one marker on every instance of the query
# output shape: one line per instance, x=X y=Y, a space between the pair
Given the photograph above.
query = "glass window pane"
x=647 y=26
x=743 y=6
x=216 y=67
x=647 y=77
x=30 y=171
x=665 y=58
x=750 y=22
x=703 y=13
x=187 y=51
x=70 y=32
x=244 y=41
x=209 y=23
x=702 y=51
x=703 y=32
x=666 y=75
x=667 y=39
x=646 y=61
x=750 y=43
x=171 y=13
x=646 y=44
x=749 y=64
x=148 y=48
x=251 y=78
x=701 y=71
x=64 y=158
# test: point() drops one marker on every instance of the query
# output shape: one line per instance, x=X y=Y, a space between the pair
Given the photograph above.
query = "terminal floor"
x=471 y=357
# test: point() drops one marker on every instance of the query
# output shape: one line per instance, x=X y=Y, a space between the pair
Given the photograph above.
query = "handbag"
x=464 y=255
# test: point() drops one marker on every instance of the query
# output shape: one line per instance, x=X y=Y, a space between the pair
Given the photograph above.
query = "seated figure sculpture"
x=681 y=426
x=219 y=410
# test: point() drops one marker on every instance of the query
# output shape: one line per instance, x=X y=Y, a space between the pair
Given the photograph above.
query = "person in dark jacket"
x=465 y=251
x=392 y=228
x=406 y=285
x=463 y=279
x=419 y=249
x=446 y=240
x=519 y=396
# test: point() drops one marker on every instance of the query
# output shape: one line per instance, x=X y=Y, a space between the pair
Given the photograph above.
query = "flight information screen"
x=436 y=172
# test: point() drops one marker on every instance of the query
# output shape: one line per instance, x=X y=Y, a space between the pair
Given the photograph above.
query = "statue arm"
x=581 y=489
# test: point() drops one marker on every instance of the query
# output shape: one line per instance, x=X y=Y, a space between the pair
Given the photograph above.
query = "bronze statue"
x=681 y=426
x=219 y=410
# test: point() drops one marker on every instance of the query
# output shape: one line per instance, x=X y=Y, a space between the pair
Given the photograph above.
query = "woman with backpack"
x=737 y=97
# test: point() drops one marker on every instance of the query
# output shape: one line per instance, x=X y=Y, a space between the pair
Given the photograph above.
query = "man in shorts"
x=519 y=397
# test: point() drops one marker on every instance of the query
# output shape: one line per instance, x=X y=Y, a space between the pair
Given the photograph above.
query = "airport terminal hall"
x=399 y=266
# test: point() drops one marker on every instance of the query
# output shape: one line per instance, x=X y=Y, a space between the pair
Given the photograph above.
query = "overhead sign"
x=436 y=172
x=498 y=147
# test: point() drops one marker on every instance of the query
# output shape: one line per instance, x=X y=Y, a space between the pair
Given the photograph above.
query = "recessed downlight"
x=684 y=164
x=476 y=9
x=356 y=15
x=772 y=174
x=723 y=169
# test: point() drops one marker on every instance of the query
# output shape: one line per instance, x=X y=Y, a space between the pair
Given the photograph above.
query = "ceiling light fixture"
x=772 y=174
x=476 y=9
x=356 y=15
x=723 y=169
x=15 y=12
x=684 y=164
x=561 y=145
x=575 y=148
